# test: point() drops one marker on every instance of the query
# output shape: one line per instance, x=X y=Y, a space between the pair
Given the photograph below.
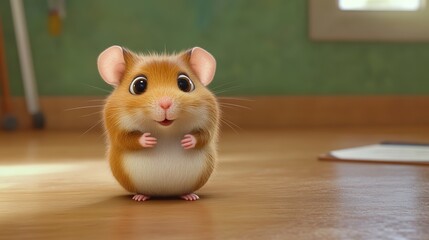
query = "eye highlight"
x=184 y=83
x=138 y=85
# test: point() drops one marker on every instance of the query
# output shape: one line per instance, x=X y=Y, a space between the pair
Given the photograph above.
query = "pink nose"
x=165 y=103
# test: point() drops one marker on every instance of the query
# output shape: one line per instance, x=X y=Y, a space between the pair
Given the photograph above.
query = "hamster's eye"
x=138 y=85
x=185 y=83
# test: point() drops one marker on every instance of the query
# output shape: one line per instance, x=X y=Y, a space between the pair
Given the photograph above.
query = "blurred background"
x=263 y=48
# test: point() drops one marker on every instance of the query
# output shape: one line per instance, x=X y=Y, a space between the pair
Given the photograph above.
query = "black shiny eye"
x=185 y=83
x=138 y=85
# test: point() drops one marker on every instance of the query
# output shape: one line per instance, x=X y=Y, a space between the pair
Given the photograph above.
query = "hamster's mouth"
x=166 y=122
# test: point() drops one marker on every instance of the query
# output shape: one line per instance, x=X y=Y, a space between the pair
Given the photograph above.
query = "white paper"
x=385 y=152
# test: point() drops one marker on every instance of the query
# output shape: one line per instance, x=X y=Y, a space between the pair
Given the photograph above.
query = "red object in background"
x=9 y=122
x=6 y=101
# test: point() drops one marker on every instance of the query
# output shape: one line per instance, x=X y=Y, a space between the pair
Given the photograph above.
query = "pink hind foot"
x=190 y=197
x=140 y=198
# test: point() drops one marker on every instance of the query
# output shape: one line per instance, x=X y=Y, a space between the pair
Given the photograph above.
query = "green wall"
x=262 y=47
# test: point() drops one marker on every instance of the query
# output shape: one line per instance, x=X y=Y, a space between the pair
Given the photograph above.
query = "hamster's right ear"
x=112 y=63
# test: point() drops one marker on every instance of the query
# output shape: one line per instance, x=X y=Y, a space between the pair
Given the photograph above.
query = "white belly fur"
x=165 y=170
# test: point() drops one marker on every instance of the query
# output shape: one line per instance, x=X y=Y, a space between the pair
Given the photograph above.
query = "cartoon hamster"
x=161 y=121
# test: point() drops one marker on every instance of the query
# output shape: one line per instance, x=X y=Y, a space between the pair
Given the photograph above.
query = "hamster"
x=161 y=121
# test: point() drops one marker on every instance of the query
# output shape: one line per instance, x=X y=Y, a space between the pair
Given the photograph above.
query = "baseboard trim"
x=71 y=113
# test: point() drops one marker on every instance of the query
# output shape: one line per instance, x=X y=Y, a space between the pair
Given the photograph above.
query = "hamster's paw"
x=190 y=197
x=146 y=141
x=189 y=141
x=140 y=197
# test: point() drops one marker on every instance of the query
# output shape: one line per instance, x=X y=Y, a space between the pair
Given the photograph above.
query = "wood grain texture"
x=84 y=113
x=268 y=185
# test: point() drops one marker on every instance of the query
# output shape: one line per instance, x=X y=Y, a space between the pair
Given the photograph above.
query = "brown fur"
x=210 y=165
x=119 y=173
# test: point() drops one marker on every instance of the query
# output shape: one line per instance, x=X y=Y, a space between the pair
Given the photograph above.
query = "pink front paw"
x=147 y=141
x=189 y=141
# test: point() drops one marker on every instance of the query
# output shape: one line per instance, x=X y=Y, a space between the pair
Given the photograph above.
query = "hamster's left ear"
x=111 y=65
x=203 y=64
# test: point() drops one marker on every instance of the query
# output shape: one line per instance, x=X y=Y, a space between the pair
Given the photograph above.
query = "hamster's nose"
x=165 y=103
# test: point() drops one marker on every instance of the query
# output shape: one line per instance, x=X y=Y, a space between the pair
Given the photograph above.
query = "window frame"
x=327 y=22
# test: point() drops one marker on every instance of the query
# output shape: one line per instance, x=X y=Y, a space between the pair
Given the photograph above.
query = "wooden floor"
x=268 y=185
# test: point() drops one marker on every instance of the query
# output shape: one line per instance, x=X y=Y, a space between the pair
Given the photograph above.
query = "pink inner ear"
x=203 y=64
x=111 y=65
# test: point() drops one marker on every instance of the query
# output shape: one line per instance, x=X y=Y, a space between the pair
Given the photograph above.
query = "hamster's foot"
x=141 y=197
x=189 y=141
x=190 y=197
x=147 y=141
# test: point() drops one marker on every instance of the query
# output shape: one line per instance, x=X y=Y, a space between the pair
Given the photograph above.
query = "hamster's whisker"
x=93 y=113
x=232 y=123
x=98 y=88
x=97 y=100
x=232 y=105
x=231 y=83
x=229 y=124
x=221 y=87
x=92 y=127
x=236 y=99
x=229 y=107
x=84 y=107
x=103 y=135
x=226 y=90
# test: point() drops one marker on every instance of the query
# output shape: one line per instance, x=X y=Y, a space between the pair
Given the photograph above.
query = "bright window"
x=381 y=5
